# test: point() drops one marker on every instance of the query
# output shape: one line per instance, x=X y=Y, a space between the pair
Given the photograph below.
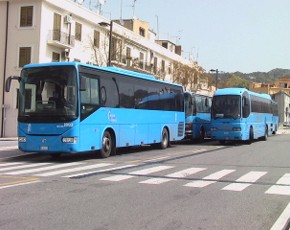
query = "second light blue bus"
x=69 y=107
x=197 y=116
x=241 y=115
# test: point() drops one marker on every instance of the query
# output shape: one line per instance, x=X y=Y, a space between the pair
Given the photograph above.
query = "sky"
x=228 y=35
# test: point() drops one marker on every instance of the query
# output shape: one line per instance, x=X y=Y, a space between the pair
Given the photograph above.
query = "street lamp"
x=110 y=39
x=216 y=76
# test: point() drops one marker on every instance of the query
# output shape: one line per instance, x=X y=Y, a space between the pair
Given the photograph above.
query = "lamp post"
x=216 y=76
x=110 y=39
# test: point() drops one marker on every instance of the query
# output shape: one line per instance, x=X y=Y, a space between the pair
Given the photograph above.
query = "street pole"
x=110 y=44
x=216 y=76
x=110 y=40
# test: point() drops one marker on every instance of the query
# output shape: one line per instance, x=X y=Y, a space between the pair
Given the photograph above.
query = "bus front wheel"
x=108 y=146
x=164 y=139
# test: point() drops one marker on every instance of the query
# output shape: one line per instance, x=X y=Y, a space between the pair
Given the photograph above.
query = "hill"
x=264 y=77
x=239 y=79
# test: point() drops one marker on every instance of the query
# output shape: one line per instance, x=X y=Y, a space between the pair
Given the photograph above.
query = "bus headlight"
x=236 y=129
x=22 y=139
x=69 y=140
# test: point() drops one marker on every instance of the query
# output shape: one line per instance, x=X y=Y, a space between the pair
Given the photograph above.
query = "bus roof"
x=104 y=68
x=240 y=91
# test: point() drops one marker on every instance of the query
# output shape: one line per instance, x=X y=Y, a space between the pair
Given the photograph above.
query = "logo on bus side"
x=112 y=117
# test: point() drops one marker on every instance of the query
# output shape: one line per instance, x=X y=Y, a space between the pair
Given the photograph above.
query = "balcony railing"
x=61 y=39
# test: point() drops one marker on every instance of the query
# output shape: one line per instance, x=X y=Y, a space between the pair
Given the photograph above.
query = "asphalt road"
x=187 y=186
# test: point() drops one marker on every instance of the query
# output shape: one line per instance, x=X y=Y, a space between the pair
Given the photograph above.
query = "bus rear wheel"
x=201 y=135
x=164 y=139
x=265 y=137
x=251 y=136
x=108 y=146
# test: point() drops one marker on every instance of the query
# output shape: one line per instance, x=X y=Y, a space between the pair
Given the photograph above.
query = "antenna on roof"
x=121 y=10
x=133 y=7
x=100 y=5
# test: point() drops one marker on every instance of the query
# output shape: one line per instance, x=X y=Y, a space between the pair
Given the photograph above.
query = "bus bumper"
x=48 y=144
x=227 y=135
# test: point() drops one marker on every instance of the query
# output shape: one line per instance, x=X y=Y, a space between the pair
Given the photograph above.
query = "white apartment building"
x=38 y=31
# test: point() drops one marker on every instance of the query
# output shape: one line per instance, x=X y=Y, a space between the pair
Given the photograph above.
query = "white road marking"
x=173 y=176
x=210 y=179
x=282 y=186
x=137 y=173
x=99 y=171
x=23 y=166
x=8 y=148
x=117 y=178
x=11 y=164
x=73 y=169
x=247 y=180
x=282 y=220
x=27 y=171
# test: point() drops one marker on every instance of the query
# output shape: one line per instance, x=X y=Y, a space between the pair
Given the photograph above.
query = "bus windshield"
x=48 y=94
x=189 y=105
x=226 y=106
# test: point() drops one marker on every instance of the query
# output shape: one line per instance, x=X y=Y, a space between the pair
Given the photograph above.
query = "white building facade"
x=38 y=31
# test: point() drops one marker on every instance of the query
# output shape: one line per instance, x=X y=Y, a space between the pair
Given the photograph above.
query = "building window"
x=141 y=63
x=55 y=57
x=142 y=31
x=97 y=39
x=169 y=69
x=24 y=56
x=155 y=65
x=163 y=66
x=165 y=45
x=56 y=26
x=78 y=31
x=128 y=53
x=26 y=16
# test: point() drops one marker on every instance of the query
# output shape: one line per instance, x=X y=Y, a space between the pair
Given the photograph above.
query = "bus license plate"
x=43 y=147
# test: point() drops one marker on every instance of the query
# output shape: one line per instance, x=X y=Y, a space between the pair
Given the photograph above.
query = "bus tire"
x=55 y=156
x=251 y=136
x=222 y=142
x=201 y=134
x=265 y=137
x=108 y=145
x=275 y=130
x=164 y=139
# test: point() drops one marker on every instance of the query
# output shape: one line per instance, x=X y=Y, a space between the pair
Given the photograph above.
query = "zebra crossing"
x=154 y=174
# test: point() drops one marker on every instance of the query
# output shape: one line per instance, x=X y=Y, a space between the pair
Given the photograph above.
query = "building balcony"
x=61 y=39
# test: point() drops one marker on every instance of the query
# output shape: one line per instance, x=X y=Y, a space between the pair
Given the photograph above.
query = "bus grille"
x=180 y=129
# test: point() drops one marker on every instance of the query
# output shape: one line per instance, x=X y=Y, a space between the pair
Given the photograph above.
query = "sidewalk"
x=283 y=129
x=8 y=138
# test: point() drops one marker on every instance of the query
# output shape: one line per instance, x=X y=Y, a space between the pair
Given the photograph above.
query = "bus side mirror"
x=8 y=82
x=83 y=84
x=245 y=102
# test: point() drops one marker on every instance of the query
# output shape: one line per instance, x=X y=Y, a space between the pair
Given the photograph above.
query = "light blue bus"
x=197 y=116
x=241 y=115
x=69 y=107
